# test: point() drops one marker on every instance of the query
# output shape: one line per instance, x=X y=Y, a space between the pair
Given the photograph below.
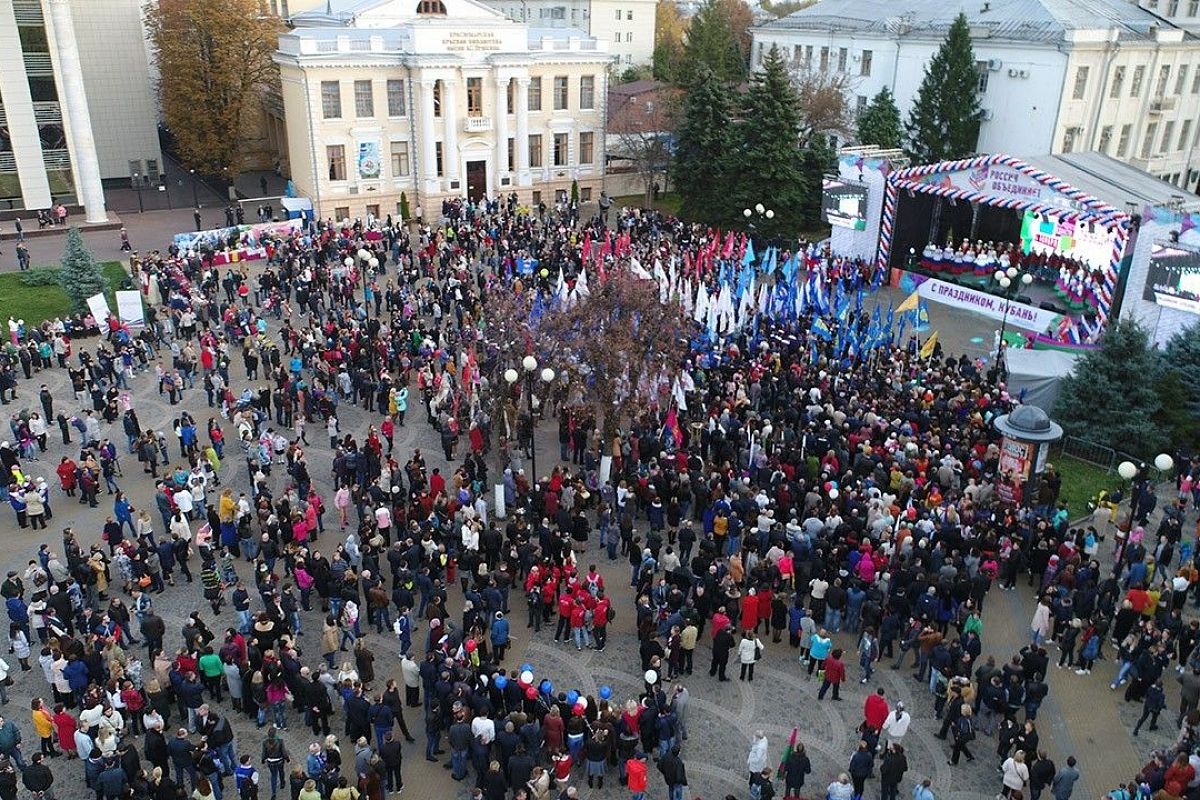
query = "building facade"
x=76 y=102
x=1055 y=76
x=433 y=99
x=627 y=25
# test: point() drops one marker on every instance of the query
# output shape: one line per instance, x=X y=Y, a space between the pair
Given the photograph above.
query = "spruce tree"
x=1110 y=398
x=879 y=124
x=944 y=121
x=80 y=275
x=769 y=156
x=701 y=147
x=712 y=42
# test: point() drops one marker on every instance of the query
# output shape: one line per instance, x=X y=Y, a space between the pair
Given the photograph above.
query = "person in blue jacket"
x=499 y=635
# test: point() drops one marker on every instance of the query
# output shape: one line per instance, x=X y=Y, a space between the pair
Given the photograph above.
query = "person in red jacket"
x=835 y=675
x=875 y=711
x=579 y=623
x=765 y=598
x=635 y=770
x=750 y=611
x=565 y=604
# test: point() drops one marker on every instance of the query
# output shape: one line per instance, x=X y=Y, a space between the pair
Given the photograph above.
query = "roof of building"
x=1107 y=179
x=634 y=88
x=1014 y=20
x=642 y=107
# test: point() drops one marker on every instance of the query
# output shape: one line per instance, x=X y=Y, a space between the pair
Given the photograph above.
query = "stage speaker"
x=1025 y=299
x=1048 y=306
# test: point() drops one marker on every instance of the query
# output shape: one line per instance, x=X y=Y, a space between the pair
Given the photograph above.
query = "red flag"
x=673 y=426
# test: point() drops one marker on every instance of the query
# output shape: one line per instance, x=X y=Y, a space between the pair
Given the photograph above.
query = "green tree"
x=769 y=155
x=1110 y=398
x=669 y=28
x=944 y=120
x=879 y=124
x=714 y=40
x=80 y=275
x=405 y=210
x=1182 y=353
x=702 y=141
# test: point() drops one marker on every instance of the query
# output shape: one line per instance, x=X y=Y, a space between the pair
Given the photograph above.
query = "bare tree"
x=823 y=99
x=642 y=125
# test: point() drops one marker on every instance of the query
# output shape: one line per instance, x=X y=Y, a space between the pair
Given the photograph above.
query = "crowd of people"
x=843 y=506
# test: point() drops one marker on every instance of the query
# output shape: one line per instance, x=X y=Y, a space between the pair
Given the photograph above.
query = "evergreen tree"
x=769 y=156
x=712 y=42
x=879 y=124
x=1182 y=354
x=80 y=275
x=701 y=146
x=1110 y=398
x=944 y=121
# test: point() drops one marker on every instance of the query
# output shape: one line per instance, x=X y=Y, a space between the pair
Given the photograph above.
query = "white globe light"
x=746 y=213
x=1164 y=462
x=548 y=375
x=349 y=262
x=529 y=363
x=511 y=375
x=1005 y=282
x=770 y=214
x=1026 y=279
x=759 y=207
x=1126 y=470
x=999 y=276
x=1011 y=272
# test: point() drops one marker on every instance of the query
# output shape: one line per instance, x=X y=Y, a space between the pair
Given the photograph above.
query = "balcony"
x=38 y=65
x=47 y=113
x=1162 y=104
x=477 y=124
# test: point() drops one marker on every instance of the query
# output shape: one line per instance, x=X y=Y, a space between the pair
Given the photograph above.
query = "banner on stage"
x=990 y=305
x=98 y=305
x=129 y=308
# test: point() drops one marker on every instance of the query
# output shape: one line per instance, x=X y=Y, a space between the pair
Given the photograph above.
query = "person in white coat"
x=896 y=724
x=1039 y=626
x=757 y=760
x=1016 y=773
x=749 y=650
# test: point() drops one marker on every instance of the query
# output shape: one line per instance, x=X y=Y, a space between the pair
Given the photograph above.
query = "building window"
x=1193 y=7
x=1118 y=80
x=1196 y=81
x=535 y=94
x=843 y=54
x=628 y=36
x=1168 y=136
x=431 y=7
x=629 y=16
x=586 y=144
x=535 y=150
x=797 y=53
x=512 y=153
x=1148 y=139
x=860 y=104
x=437 y=98
x=1135 y=85
x=808 y=50
x=1164 y=75
x=560 y=150
x=1123 y=142
x=373 y=210
x=1069 y=139
x=1105 y=138
x=364 y=99
x=618 y=15
x=341 y=212
x=560 y=93
x=982 y=71
x=585 y=193
x=864 y=65
x=587 y=91
x=400 y=159
x=1172 y=8
x=395 y=98
x=510 y=96
x=1081 y=76
x=1181 y=79
x=439 y=166
x=824 y=64
x=1185 y=133
x=331 y=100
x=335 y=154
x=474 y=97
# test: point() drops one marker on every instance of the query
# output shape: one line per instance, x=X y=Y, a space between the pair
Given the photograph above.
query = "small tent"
x=1037 y=374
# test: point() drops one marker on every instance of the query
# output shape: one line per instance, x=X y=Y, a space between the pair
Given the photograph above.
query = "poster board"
x=129 y=308
x=98 y=305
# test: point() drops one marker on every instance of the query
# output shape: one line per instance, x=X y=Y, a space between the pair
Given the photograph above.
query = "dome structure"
x=1029 y=424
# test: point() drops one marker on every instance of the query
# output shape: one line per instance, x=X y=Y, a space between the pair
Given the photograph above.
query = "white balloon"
x=526 y=677
x=651 y=676
x=833 y=494
x=582 y=701
x=1164 y=462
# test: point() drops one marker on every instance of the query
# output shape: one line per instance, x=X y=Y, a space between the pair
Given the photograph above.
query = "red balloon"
x=828 y=485
x=470 y=645
x=530 y=693
x=579 y=709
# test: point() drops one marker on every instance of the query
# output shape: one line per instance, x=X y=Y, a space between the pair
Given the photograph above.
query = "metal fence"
x=1102 y=456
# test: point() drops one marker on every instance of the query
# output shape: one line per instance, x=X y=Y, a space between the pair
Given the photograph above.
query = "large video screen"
x=1084 y=242
x=844 y=204
x=1174 y=279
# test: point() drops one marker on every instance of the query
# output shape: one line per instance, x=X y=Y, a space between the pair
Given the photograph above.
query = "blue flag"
x=821 y=328
x=922 y=315
x=748 y=256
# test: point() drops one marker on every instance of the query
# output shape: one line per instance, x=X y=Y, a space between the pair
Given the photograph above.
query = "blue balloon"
x=547 y=687
x=605 y=692
x=501 y=681
x=572 y=696
x=527 y=667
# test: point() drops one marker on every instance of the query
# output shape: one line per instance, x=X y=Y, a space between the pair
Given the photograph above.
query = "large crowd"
x=800 y=498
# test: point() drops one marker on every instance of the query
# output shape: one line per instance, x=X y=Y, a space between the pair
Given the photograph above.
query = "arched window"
x=431 y=7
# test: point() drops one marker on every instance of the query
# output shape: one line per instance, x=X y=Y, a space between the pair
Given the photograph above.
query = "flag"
x=922 y=315
x=672 y=427
x=909 y=304
x=748 y=256
x=787 y=753
x=927 y=348
x=821 y=328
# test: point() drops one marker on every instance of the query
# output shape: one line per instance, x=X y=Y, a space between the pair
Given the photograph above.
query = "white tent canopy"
x=1038 y=373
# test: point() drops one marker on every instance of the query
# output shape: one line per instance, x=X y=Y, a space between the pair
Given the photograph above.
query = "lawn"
x=1081 y=481
x=37 y=303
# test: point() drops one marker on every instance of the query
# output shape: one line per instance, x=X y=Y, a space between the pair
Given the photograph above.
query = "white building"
x=434 y=99
x=1055 y=76
x=627 y=25
x=76 y=102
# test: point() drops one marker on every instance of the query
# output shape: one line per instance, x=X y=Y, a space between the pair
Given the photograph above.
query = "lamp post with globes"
x=530 y=366
x=756 y=216
x=1009 y=279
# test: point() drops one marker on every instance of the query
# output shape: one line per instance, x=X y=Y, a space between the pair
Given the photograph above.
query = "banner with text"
x=990 y=305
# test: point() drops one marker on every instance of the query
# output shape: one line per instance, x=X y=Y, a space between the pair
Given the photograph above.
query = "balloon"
x=579 y=709
x=605 y=692
x=527 y=667
x=530 y=693
x=501 y=681
x=828 y=485
x=582 y=701
x=833 y=494
x=572 y=697
x=470 y=645
x=526 y=677
x=651 y=676
x=545 y=273
x=547 y=687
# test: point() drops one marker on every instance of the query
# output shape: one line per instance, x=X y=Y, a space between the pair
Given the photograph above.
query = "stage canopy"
x=1038 y=374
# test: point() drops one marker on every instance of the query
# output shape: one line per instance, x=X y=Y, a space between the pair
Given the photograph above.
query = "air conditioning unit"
x=994 y=64
x=986 y=114
x=1012 y=73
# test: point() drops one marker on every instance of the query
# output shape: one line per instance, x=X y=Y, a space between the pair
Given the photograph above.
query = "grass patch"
x=668 y=202
x=1081 y=481
x=37 y=303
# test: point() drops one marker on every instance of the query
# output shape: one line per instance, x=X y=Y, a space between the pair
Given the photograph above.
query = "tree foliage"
x=702 y=143
x=879 y=124
x=80 y=275
x=1110 y=397
x=211 y=59
x=785 y=7
x=718 y=38
x=669 y=30
x=944 y=121
x=642 y=127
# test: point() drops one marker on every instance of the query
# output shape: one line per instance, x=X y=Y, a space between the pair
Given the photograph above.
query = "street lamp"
x=530 y=364
x=1009 y=279
x=195 y=196
x=137 y=184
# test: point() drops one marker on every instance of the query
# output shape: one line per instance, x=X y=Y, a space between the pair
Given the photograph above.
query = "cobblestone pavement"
x=722 y=718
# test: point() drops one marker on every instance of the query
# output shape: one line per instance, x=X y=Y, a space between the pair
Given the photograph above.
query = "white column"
x=522 y=143
x=74 y=105
x=428 y=136
x=502 y=165
x=450 y=120
x=18 y=108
